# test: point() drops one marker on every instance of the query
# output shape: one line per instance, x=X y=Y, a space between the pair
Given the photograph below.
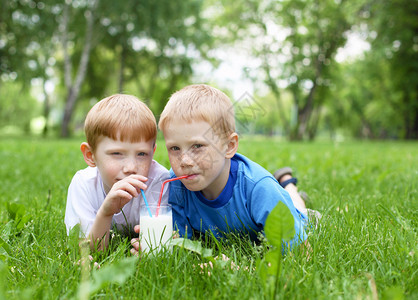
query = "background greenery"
x=57 y=58
x=365 y=247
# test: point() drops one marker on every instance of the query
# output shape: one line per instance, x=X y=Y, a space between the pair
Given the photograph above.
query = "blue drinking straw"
x=146 y=203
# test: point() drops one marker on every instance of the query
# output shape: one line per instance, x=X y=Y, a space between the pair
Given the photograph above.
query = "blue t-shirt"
x=242 y=207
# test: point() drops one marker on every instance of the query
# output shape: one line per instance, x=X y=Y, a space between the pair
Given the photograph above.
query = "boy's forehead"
x=188 y=125
x=194 y=130
x=122 y=138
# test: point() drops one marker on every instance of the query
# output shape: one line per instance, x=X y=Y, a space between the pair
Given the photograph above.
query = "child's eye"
x=115 y=153
x=197 y=146
x=142 y=154
x=174 y=148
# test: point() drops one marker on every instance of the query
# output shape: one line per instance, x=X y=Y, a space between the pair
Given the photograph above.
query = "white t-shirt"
x=86 y=195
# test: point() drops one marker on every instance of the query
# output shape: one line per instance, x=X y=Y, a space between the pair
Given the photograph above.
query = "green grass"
x=365 y=247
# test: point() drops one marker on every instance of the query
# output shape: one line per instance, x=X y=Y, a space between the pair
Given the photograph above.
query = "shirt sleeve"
x=264 y=197
x=79 y=208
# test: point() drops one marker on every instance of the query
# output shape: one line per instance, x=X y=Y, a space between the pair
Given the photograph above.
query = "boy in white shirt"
x=121 y=134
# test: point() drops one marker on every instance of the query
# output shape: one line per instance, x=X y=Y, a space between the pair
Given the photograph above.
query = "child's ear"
x=87 y=154
x=155 y=147
x=232 y=146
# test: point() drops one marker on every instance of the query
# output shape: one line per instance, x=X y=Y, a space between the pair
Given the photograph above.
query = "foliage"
x=279 y=228
x=23 y=28
x=17 y=106
x=95 y=48
x=194 y=246
x=365 y=246
x=116 y=273
x=18 y=214
x=396 y=42
x=358 y=87
x=145 y=49
x=295 y=43
x=72 y=53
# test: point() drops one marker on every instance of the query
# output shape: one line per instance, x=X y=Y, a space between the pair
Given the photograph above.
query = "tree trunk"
x=73 y=88
x=122 y=68
x=313 y=125
x=276 y=92
x=47 y=109
x=410 y=117
x=305 y=113
x=414 y=127
x=68 y=112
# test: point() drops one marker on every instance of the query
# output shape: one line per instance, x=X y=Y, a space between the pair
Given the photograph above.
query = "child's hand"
x=176 y=234
x=83 y=261
x=135 y=242
x=121 y=193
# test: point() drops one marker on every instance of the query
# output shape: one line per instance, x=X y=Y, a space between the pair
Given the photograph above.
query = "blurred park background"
x=298 y=69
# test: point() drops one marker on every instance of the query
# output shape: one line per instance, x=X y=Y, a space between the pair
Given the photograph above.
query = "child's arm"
x=120 y=194
x=264 y=197
x=307 y=249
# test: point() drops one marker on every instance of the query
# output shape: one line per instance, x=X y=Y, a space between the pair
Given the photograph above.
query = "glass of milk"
x=155 y=232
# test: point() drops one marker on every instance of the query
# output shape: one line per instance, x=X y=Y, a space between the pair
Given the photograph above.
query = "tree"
x=73 y=85
x=99 y=47
x=149 y=45
x=394 y=38
x=27 y=51
x=294 y=43
x=304 y=38
x=16 y=101
x=366 y=99
x=155 y=43
x=377 y=93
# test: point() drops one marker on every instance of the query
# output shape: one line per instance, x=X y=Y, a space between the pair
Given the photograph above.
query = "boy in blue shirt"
x=224 y=191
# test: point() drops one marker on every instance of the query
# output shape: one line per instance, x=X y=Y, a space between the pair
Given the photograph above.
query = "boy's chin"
x=194 y=187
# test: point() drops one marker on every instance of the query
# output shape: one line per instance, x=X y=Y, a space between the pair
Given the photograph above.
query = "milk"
x=155 y=232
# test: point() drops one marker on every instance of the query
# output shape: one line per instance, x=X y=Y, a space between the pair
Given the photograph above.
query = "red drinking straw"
x=162 y=189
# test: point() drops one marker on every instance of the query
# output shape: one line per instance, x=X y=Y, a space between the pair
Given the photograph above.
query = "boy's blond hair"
x=120 y=117
x=200 y=102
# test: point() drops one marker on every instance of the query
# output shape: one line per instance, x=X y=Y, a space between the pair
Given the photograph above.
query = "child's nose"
x=130 y=167
x=186 y=160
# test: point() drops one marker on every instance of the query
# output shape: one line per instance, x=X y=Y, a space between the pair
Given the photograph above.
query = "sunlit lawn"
x=365 y=247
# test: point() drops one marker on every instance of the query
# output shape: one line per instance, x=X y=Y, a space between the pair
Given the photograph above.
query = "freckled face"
x=194 y=149
x=117 y=160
